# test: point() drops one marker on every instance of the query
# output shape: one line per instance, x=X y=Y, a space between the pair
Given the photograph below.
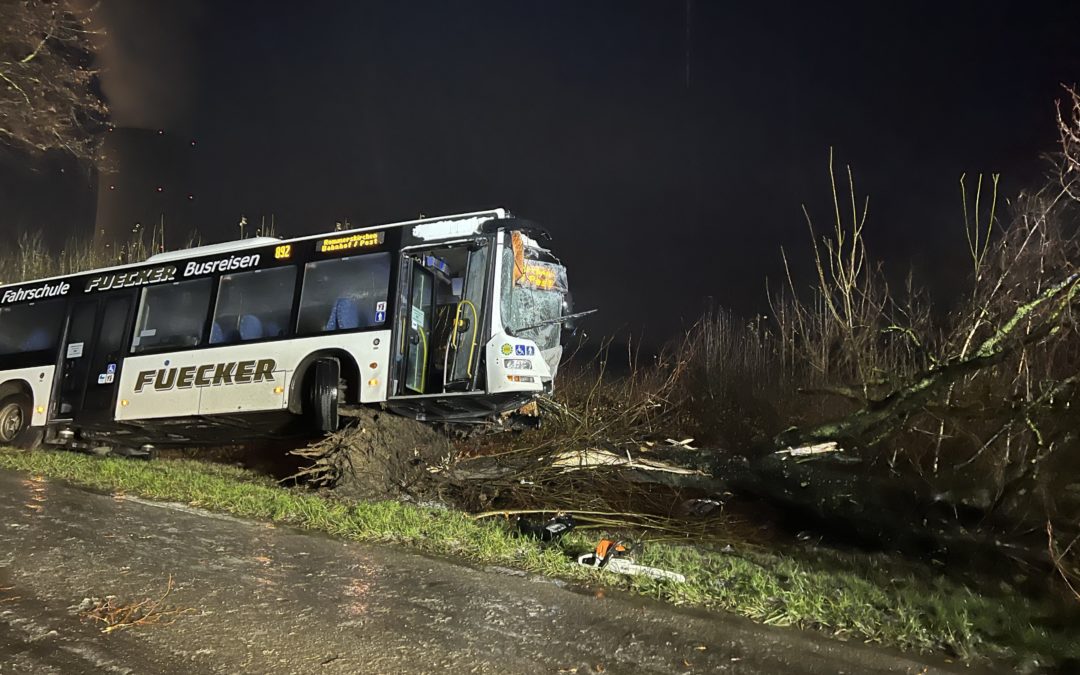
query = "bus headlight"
x=517 y=364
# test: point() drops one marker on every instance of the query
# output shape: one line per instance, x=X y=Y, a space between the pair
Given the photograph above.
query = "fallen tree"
x=878 y=418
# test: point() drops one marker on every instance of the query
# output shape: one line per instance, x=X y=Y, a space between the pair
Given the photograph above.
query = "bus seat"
x=272 y=328
x=37 y=340
x=345 y=315
x=219 y=335
x=251 y=327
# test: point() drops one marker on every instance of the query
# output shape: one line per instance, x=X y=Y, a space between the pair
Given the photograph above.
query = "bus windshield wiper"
x=561 y=319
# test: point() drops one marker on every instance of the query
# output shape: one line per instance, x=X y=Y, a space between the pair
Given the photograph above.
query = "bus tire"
x=321 y=405
x=15 y=429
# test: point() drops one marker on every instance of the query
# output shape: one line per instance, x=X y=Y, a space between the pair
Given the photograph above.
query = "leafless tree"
x=49 y=97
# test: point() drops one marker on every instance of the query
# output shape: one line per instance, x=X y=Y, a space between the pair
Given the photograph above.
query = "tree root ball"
x=377 y=455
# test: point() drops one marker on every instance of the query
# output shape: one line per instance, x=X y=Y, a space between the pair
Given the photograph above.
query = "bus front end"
x=533 y=304
x=481 y=307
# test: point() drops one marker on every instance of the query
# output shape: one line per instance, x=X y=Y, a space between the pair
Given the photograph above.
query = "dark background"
x=668 y=144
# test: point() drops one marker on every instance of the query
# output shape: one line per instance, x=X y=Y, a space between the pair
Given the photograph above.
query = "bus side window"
x=253 y=305
x=33 y=327
x=172 y=315
x=344 y=294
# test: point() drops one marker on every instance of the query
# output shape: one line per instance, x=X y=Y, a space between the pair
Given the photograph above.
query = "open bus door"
x=442 y=325
x=91 y=358
x=418 y=320
x=467 y=328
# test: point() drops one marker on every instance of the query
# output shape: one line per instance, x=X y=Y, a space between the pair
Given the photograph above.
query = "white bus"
x=456 y=318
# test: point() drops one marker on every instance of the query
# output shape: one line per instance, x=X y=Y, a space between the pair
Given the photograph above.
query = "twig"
x=1057 y=558
x=145 y=612
x=516 y=512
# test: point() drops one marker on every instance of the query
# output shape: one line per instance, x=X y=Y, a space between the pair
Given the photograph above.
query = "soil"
x=379 y=455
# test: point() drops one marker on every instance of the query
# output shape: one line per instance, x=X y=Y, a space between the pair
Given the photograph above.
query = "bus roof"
x=210 y=249
x=440 y=227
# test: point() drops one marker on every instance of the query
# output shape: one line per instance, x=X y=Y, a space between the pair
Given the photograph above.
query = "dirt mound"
x=378 y=455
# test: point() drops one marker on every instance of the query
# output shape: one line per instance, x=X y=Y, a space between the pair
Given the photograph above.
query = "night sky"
x=667 y=145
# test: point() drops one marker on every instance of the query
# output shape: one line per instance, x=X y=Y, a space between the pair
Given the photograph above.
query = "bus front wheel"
x=321 y=405
x=15 y=412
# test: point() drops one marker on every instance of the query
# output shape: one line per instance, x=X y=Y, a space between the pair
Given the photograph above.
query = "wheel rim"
x=11 y=422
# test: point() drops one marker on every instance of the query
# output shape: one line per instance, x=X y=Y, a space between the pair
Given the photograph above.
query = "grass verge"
x=846 y=596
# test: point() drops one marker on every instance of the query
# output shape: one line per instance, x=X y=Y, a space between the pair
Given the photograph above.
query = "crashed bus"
x=457 y=318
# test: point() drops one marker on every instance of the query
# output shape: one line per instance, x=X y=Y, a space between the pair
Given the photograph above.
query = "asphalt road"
x=264 y=599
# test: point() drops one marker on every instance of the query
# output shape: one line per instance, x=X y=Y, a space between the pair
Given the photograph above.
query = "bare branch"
x=48 y=97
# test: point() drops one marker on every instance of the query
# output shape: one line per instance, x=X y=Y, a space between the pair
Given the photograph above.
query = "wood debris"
x=573 y=460
x=116 y=615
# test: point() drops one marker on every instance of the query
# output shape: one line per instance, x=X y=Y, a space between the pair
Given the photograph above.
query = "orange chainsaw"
x=608 y=549
x=613 y=556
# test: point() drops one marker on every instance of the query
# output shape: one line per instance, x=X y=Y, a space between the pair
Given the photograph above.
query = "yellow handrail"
x=475 y=326
x=423 y=368
x=457 y=322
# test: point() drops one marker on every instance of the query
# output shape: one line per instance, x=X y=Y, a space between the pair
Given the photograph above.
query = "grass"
x=853 y=597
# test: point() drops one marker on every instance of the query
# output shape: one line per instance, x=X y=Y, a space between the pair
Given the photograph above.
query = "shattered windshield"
x=534 y=286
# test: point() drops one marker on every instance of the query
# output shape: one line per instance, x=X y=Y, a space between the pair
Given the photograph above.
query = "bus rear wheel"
x=321 y=404
x=15 y=412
